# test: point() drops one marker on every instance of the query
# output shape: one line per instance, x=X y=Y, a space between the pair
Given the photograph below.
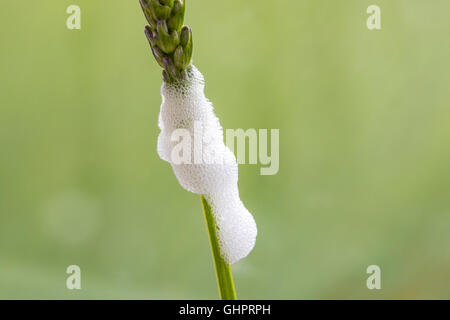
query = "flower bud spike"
x=165 y=33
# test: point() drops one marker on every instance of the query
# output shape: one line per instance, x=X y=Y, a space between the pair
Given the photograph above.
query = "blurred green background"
x=364 y=176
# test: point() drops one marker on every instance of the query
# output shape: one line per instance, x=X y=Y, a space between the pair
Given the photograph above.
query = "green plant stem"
x=223 y=269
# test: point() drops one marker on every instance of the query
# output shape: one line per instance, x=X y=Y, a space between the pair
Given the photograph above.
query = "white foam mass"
x=183 y=105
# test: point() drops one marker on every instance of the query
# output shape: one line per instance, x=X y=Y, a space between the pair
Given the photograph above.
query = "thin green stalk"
x=223 y=270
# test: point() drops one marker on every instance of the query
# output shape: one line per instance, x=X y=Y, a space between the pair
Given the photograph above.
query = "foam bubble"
x=183 y=105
